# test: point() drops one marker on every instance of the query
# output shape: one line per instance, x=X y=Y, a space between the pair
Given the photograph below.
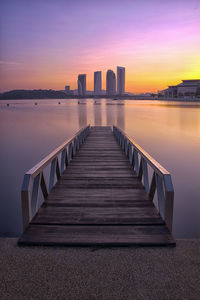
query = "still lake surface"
x=169 y=131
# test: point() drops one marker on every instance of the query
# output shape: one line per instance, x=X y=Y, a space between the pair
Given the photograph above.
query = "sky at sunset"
x=46 y=43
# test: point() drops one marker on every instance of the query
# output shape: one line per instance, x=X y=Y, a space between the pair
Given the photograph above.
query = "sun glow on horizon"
x=157 y=43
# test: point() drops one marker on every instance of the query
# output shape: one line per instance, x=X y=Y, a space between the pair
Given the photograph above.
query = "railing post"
x=136 y=162
x=152 y=187
x=52 y=174
x=126 y=147
x=130 y=153
x=34 y=196
x=169 y=200
x=26 y=200
x=161 y=196
x=74 y=146
x=63 y=160
x=77 y=143
x=57 y=169
x=145 y=174
x=43 y=186
x=140 y=169
x=69 y=152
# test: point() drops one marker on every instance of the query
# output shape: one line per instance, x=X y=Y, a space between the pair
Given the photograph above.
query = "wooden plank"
x=97 y=236
x=97 y=215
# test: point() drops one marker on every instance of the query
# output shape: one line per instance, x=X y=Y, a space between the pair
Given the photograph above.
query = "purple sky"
x=45 y=44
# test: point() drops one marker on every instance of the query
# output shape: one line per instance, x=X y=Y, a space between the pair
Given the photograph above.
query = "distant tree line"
x=33 y=94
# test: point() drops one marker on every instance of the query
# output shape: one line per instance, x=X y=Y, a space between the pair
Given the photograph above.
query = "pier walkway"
x=102 y=196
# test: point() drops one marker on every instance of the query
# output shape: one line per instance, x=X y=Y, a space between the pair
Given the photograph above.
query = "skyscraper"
x=120 y=80
x=97 y=83
x=82 y=84
x=67 y=89
x=110 y=83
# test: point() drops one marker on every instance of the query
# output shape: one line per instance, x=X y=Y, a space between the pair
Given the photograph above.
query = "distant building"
x=97 y=83
x=67 y=89
x=82 y=84
x=110 y=83
x=120 y=80
x=187 y=88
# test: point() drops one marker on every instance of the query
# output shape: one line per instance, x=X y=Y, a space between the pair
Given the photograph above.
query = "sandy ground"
x=99 y=273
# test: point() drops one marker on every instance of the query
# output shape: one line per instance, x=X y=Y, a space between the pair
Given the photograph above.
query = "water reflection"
x=110 y=114
x=120 y=116
x=82 y=113
x=97 y=107
x=170 y=133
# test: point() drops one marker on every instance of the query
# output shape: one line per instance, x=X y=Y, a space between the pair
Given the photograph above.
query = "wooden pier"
x=98 y=194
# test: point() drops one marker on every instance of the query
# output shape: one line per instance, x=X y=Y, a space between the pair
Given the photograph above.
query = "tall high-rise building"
x=82 y=84
x=110 y=83
x=97 y=83
x=120 y=80
x=67 y=89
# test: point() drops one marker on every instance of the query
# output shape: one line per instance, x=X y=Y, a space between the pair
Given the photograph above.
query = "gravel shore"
x=50 y=273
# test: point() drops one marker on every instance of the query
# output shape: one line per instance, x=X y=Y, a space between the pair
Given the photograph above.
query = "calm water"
x=170 y=132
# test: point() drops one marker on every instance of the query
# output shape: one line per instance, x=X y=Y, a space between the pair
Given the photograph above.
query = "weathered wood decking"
x=99 y=200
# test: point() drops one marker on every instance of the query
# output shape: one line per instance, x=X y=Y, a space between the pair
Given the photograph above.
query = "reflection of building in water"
x=120 y=116
x=97 y=113
x=82 y=114
x=110 y=114
x=189 y=119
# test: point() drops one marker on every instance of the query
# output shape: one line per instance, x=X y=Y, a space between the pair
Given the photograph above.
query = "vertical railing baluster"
x=69 y=152
x=145 y=175
x=169 y=200
x=161 y=196
x=136 y=161
x=43 y=186
x=77 y=143
x=126 y=147
x=26 y=200
x=120 y=139
x=152 y=187
x=123 y=141
x=130 y=153
x=34 y=196
x=58 y=174
x=52 y=174
x=140 y=173
x=63 y=160
x=74 y=147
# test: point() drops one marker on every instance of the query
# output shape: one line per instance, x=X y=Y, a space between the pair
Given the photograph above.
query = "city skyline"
x=113 y=86
x=45 y=43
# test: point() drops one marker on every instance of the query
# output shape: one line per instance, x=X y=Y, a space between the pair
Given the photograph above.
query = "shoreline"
x=100 y=273
x=192 y=100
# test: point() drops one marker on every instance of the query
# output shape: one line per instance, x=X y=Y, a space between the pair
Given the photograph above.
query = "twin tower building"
x=110 y=83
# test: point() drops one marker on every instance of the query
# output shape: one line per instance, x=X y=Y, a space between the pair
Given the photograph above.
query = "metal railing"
x=34 y=179
x=160 y=180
